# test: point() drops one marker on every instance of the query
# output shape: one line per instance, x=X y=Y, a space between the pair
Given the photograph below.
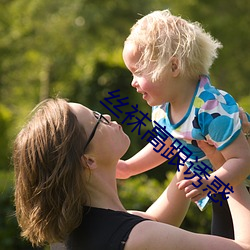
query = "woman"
x=65 y=166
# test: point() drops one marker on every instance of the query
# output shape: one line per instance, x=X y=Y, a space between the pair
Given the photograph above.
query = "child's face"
x=152 y=92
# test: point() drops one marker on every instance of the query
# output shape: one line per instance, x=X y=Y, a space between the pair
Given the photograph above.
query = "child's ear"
x=175 y=66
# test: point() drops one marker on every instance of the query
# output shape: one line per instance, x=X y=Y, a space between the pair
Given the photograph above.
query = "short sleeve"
x=218 y=118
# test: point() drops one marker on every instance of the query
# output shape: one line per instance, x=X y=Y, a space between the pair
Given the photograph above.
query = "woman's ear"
x=175 y=66
x=89 y=161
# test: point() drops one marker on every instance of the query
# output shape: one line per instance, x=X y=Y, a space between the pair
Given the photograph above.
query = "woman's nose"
x=108 y=117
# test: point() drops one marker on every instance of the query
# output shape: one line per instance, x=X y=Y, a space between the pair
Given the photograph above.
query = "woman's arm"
x=171 y=207
x=239 y=203
x=245 y=123
x=160 y=236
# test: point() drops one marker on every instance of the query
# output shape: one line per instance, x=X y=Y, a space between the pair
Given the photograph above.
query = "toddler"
x=170 y=59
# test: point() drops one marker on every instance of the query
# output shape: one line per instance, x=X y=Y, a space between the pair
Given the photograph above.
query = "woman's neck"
x=102 y=189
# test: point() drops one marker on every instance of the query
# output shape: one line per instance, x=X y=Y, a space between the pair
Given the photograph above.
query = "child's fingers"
x=198 y=197
x=183 y=184
x=193 y=194
x=189 y=188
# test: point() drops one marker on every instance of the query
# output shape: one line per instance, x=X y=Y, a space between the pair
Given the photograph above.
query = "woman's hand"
x=245 y=124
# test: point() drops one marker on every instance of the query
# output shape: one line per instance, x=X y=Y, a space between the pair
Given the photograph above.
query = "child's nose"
x=134 y=83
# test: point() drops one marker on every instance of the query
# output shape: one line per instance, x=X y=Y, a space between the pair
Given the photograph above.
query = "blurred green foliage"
x=72 y=48
x=9 y=231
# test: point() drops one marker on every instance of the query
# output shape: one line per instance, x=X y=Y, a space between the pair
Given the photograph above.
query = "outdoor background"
x=72 y=48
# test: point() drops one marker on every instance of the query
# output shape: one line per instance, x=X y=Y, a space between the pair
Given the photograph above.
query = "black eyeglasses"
x=100 y=118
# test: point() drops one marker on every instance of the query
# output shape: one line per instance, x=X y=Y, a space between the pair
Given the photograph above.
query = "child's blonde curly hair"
x=161 y=36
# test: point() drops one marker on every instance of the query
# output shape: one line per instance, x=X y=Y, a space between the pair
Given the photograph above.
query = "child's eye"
x=137 y=74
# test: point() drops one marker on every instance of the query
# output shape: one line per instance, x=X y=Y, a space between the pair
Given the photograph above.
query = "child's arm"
x=144 y=160
x=237 y=157
x=214 y=156
x=234 y=171
x=237 y=166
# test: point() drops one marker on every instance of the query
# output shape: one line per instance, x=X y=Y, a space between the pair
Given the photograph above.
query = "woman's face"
x=109 y=140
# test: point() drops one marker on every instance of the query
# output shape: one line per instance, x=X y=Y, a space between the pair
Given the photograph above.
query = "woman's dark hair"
x=49 y=180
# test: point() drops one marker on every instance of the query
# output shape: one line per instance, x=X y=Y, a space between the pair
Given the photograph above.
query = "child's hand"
x=122 y=170
x=191 y=191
